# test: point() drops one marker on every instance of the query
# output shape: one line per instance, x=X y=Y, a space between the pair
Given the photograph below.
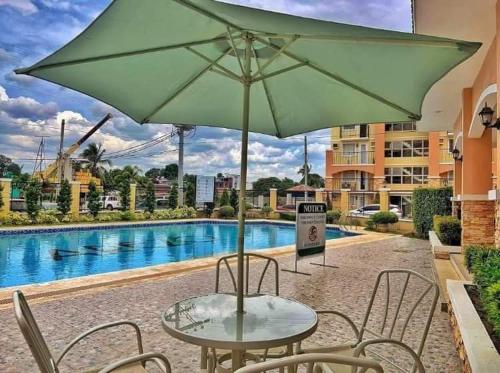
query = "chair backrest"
x=32 y=334
x=312 y=361
x=247 y=257
x=403 y=293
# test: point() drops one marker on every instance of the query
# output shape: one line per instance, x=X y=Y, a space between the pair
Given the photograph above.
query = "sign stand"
x=323 y=264
x=310 y=232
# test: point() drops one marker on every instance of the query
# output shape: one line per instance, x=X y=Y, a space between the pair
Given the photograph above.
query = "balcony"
x=364 y=157
x=355 y=184
x=445 y=156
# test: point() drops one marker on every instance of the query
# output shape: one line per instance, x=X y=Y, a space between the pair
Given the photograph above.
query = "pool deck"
x=55 y=288
x=347 y=288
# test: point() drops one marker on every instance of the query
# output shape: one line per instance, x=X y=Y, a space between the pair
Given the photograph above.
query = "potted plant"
x=383 y=219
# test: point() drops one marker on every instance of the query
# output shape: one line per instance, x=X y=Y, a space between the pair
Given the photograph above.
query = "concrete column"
x=75 y=199
x=344 y=200
x=133 y=189
x=273 y=198
x=318 y=195
x=289 y=199
x=260 y=201
x=6 y=192
x=384 y=199
x=434 y=158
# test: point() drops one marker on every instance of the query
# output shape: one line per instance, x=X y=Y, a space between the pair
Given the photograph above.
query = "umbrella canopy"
x=204 y=62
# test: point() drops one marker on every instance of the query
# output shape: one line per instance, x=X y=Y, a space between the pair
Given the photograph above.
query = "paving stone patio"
x=346 y=288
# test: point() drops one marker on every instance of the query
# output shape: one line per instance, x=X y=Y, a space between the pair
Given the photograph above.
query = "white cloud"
x=3 y=94
x=26 y=7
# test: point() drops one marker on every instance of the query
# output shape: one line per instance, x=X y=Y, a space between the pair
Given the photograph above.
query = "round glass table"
x=211 y=321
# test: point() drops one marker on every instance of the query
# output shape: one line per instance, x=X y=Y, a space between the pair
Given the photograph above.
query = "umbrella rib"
x=268 y=97
x=208 y=59
x=281 y=71
x=233 y=45
x=118 y=55
x=183 y=87
x=189 y=4
x=343 y=81
x=276 y=55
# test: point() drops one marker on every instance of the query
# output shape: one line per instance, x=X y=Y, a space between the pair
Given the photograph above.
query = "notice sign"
x=205 y=188
x=311 y=226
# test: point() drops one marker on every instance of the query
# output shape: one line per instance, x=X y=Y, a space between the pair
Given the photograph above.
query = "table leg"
x=204 y=357
x=236 y=359
x=289 y=352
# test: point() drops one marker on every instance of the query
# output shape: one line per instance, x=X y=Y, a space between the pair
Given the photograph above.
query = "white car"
x=373 y=209
x=111 y=202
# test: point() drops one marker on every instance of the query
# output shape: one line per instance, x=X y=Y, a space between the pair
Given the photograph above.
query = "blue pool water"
x=40 y=257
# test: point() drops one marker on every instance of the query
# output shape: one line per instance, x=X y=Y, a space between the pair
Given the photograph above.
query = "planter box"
x=474 y=346
x=441 y=251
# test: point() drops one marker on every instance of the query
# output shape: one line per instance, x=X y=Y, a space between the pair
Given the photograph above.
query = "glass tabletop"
x=211 y=321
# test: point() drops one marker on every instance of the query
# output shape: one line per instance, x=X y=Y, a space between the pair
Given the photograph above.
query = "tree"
x=33 y=195
x=93 y=200
x=191 y=195
x=171 y=171
x=125 y=195
x=314 y=180
x=1 y=196
x=285 y=184
x=262 y=185
x=233 y=199
x=150 y=197
x=224 y=200
x=154 y=173
x=302 y=170
x=173 y=196
x=94 y=154
x=64 y=197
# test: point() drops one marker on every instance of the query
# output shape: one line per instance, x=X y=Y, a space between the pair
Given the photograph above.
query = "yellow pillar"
x=318 y=195
x=75 y=199
x=6 y=191
x=344 y=200
x=133 y=188
x=384 y=199
x=273 y=198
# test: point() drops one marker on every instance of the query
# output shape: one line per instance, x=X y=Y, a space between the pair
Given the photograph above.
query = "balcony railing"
x=366 y=157
x=445 y=156
x=357 y=184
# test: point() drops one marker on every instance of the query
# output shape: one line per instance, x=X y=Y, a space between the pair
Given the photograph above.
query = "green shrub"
x=226 y=211
x=16 y=218
x=484 y=263
x=333 y=216
x=248 y=206
x=94 y=200
x=47 y=217
x=448 y=229
x=267 y=209
x=64 y=197
x=33 y=195
x=173 y=197
x=224 y=199
x=290 y=216
x=150 y=197
x=428 y=202
x=127 y=216
x=1 y=196
x=384 y=217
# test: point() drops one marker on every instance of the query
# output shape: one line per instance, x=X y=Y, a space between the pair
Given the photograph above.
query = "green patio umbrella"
x=209 y=63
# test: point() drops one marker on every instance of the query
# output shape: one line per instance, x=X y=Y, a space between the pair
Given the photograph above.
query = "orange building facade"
x=454 y=103
x=365 y=159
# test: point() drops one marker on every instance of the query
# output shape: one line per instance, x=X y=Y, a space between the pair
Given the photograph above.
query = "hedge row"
x=428 y=202
x=448 y=229
x=484 y=263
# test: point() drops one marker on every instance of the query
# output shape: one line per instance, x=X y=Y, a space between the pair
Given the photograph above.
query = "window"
x=407 y=148
x=400 y=127
x=406 y=175
x=450 y=145
x=348 y=149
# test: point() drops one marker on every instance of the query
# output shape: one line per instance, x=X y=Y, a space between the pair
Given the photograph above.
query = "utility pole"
x=306 y=171
x=180 y=172
x=60 y=173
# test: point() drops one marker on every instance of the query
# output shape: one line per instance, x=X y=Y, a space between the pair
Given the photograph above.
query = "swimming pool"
x=38 y=257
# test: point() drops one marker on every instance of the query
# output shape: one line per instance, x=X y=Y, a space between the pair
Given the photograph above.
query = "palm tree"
x=94 y=154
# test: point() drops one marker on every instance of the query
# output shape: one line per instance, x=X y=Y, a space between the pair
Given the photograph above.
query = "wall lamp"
x=486 y=115
x=456 y=154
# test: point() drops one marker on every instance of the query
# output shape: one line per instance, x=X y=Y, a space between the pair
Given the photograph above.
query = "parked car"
x=373 y=209
x=111 y=202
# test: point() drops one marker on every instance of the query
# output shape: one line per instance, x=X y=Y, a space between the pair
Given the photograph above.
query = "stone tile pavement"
x=346 y=288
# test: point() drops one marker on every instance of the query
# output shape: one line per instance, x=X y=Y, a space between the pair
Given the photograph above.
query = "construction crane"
x=61 y=168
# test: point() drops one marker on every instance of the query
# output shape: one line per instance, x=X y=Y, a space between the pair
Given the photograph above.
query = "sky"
x=31 y=108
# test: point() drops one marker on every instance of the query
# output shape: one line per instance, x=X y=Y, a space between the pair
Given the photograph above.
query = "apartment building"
x=365 y=158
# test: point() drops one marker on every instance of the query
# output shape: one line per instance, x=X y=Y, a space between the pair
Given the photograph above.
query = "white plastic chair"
x=46 y=362
x=344 y=364
x=388 y=330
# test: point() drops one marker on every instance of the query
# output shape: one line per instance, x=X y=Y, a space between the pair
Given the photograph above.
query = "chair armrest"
x=346 y=318
x=102 y=327
x=311 y=359
x=159 y=359
x=360 y=349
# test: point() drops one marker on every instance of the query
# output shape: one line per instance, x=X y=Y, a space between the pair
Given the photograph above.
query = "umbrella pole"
x=243 y=172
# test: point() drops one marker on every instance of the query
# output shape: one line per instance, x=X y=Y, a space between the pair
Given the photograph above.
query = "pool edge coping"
x=82 y=284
